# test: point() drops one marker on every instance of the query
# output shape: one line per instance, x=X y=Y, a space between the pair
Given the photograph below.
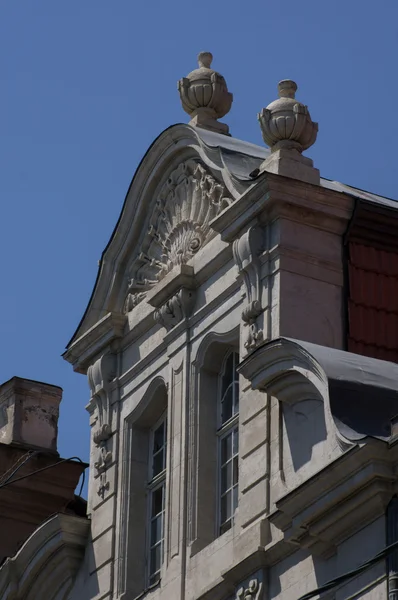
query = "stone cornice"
x=356 y=489
x=93 y=341
x=274 y=196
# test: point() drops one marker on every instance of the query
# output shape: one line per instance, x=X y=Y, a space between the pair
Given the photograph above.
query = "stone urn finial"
x=205 y=97
x=288 y=129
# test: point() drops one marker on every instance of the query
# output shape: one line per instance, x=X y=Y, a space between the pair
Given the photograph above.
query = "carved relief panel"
x=252 y=588
x=178 y=227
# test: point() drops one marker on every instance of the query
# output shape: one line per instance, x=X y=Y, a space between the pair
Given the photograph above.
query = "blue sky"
x=86 y=85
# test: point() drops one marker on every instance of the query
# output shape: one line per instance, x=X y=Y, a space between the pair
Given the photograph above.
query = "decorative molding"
x=179 y=307
x=178 y=227
x=48 y=561
x=251 y=591
x=101 y=464
x=92 y=342
x=356 y=489
x=100 y=374
x=174 y=297
x=247 y=250
x=133 y=300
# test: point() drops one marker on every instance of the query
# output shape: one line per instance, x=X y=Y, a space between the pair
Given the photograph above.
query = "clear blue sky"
x=86 y=85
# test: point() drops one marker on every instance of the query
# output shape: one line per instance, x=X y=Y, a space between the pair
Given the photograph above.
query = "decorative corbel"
x=100 y=375
x=177 y=308
x=252 y=591
x=174 y=298
x=247 y=250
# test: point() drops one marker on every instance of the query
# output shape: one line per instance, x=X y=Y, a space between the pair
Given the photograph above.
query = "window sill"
x=198 y=546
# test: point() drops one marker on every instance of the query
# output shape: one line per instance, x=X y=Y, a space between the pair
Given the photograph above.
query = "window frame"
x=229 y=427
x=154 y=483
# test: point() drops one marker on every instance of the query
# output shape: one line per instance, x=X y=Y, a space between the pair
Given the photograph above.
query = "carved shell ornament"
x=178 y=227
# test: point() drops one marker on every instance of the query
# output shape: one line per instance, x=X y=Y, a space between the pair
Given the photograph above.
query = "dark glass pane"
x=228 y=374
x=226 y=448
x=225 y=526
x=154 y=578
x=226 y=477
x=158 y=463
x=235 y=498
x=158 y=438
x=236 y=441
x=226 y=405
x=235 y=470
x=156 y=529
x=157 y=501
x=155 y=560
x=236 y=374
x=226 y=507
x=236 y=398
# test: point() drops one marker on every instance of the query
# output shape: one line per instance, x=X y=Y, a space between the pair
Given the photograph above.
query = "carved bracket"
x=174 y=298
x=247 y=250
x=179 y=307
x=100 y=375
x=253 y=591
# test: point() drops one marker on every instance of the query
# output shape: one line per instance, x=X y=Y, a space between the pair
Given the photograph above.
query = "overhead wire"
x=9 y=479
x=17 y=466
x=351 y=574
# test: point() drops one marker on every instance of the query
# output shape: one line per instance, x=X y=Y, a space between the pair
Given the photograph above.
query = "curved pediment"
x=46 y=565
x=186 y=178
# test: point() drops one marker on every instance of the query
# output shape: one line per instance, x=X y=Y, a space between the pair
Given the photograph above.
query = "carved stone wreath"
x=178 y=228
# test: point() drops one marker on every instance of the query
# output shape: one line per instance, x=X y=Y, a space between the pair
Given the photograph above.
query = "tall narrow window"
x=228 y=441
x=157 y=498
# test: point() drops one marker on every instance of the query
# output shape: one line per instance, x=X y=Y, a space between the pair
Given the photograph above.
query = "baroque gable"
x=178 y=227
x=187 y=179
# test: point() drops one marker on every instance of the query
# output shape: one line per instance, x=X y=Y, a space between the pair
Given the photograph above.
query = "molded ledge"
x=356 y=489
x=95 y=340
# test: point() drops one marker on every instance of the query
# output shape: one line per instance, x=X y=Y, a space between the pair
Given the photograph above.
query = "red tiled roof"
x=373 y=302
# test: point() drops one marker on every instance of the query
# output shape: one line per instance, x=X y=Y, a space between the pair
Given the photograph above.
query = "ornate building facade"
x=239 y=449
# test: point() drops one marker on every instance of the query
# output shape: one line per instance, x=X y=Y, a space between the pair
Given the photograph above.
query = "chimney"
x=29 y=412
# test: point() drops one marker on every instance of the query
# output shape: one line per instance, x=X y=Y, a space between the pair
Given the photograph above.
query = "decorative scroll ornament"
x=247 y=250
x=178 y=227
x=100 y=374
x=252 y=592
x=104 y=457
x=286 y=123
x=205 y=96
x=179 y=307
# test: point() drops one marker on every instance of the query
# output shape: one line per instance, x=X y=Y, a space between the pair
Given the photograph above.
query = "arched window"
x=228 y=442
x=143 y=497
x=213 y=461
x=156 y=499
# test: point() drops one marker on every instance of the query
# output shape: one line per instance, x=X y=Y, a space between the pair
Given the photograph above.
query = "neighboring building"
x=42 y=522
x=240 y=449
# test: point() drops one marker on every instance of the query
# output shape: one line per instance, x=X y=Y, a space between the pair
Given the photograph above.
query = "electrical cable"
x=18 y=465
x=350 y=574
x=9 y=481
